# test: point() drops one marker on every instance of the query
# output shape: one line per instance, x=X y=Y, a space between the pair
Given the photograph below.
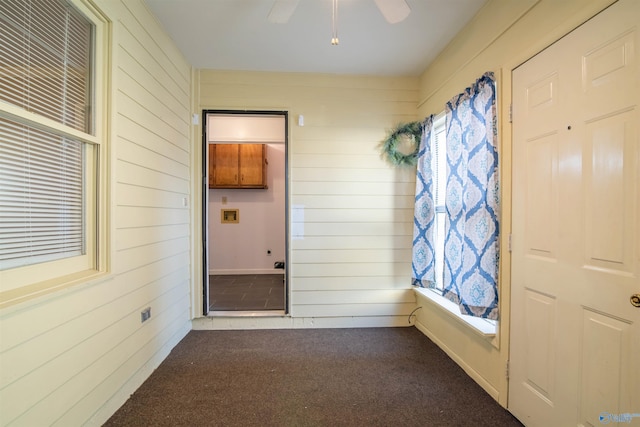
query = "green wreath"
x=412 y=131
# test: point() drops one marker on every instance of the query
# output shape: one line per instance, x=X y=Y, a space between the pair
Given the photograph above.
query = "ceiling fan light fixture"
x=334 y=24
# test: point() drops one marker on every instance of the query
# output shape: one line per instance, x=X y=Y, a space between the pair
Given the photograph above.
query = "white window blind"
x=41 y=199
x=46 y=57
x=439 y=160
x=439 y=168
x=45 y=68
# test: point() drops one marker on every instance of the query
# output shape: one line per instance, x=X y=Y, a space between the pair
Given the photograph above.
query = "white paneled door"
x=575 y=334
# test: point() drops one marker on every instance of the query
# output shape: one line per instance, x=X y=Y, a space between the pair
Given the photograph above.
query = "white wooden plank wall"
x=354 y=258
x=75 y=356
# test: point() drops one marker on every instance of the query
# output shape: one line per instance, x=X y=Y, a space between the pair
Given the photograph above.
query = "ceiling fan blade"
x=394 y=11
x=281 y=11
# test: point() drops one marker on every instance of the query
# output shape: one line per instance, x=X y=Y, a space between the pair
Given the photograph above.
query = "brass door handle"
x=635 y=300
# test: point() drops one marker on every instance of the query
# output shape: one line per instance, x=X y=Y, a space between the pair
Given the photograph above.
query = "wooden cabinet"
x=237 y=166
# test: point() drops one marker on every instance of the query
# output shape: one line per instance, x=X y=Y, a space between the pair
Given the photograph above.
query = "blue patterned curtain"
x=472 y=201
x=423 y=254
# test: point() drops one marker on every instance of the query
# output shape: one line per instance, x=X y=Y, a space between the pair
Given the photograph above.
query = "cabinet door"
x=224 y=163
x=252 y=165
x=212 y=159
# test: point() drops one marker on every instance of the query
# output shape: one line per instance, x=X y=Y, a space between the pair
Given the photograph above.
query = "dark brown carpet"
x=310 y=377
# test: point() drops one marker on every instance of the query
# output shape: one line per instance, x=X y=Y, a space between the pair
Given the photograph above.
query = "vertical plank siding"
x=353 y=260
x=73 y=357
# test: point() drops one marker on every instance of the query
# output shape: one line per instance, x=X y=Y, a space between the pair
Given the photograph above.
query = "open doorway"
x=244 y=218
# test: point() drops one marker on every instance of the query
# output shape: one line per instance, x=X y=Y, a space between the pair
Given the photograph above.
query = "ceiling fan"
x=394 y=11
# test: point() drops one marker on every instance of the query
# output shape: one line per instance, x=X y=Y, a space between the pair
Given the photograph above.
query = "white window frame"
x=24 y=283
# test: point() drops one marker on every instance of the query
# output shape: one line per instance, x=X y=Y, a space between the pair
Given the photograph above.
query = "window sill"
x=483 y=327
x=15 y=297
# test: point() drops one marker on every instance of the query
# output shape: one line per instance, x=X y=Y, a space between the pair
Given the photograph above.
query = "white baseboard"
x=135 y=381
x=247 y=271
x=287 y=322
x=468 y=369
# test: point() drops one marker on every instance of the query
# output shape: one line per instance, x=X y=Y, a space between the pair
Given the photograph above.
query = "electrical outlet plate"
x=229 y=216
x=145 y=314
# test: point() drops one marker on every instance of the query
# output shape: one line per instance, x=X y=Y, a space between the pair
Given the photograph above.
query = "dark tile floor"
x=250 y=292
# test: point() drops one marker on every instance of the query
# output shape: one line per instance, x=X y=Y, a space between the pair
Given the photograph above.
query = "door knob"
x=635 y=300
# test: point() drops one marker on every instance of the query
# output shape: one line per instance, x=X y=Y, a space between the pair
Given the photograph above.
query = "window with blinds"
x=439 y=168
x=46 y=56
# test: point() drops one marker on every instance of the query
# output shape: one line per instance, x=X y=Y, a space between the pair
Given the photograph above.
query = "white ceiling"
x=236 y=35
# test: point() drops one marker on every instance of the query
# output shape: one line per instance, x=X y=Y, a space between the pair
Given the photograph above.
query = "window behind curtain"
x=439 y=167
x=456 y=215
x=45 y=107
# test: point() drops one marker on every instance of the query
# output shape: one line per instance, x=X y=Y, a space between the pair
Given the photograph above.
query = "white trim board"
x=288 y=322
x=247 y=271
x=482 y=382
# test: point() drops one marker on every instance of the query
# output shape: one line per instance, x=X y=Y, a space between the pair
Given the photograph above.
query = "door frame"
x=524 y=54
x=561 y=32
x=205 y=199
